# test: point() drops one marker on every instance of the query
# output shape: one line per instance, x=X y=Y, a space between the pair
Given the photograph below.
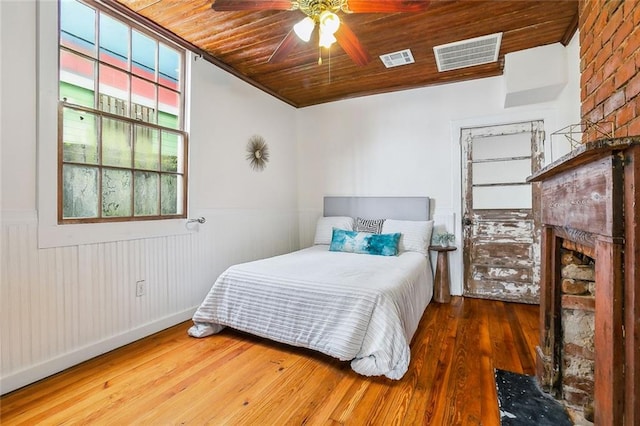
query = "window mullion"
x=130 y=73
x=60 y=161
x=132 y=169
x=156 y=80
x=96 y=63
x=100 y=167
x=160 y=174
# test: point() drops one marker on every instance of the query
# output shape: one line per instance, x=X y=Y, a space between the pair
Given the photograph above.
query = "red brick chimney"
x=610 y=65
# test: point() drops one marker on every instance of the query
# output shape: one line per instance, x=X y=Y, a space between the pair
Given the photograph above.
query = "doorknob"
x=467 y=221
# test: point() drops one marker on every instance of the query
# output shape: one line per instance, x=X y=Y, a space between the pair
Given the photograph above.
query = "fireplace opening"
x=576 y=371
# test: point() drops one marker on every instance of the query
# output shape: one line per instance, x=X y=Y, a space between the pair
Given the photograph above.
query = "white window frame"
x=50 y=233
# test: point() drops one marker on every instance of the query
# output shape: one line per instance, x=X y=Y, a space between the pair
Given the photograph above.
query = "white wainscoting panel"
x=60 y=306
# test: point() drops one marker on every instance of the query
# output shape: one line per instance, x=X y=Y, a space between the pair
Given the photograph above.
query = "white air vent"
x=395 y=59
x=467 y=53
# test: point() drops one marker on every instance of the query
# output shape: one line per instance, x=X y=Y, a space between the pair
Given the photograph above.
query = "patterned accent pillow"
x=373 y=226
x=364 y=242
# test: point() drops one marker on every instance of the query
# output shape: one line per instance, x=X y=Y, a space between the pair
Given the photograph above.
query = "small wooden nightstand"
x=441 y=285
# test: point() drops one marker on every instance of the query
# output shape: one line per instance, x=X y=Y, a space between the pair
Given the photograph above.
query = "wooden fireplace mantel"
x=592 y=197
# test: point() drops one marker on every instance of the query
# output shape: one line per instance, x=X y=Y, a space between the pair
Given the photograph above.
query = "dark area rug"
x=523 y=403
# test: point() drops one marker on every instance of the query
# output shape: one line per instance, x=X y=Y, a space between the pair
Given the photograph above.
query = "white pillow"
x=325 y=225
x=416 y=234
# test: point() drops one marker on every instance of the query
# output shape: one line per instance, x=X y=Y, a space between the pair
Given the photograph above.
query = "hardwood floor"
x=237 y=379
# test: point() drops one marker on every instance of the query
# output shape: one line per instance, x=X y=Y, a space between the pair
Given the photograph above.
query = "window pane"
x=502 y=197
x=172 y=160
x=114 y=42
x=147 y=148
x=502 y=146
x=77 y=27
x=147 y=194
x=114 y=91
x=80 y=194
x=79 y=137
x=143 y=100
x=169 y=67
x=116 y=143
x=77 y=79
x=116 y=193
x=514 y=171
x=171 y=194
x=169 y=106
x=143 y=55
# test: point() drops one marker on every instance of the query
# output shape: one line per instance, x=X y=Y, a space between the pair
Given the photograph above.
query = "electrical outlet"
x=141 y=288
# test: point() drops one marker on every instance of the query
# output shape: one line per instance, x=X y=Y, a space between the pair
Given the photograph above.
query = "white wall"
x=568 y=103
x=69 y=302
x=407 y=144
x=535 y=75
x=18 y=105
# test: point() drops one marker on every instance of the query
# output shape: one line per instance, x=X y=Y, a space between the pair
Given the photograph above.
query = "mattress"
x=354 y=307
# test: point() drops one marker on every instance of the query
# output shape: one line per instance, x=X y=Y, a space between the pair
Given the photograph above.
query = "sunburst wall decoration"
x=257 y=153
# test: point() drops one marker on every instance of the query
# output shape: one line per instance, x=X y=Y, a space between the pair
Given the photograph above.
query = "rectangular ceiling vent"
x=467 y=53
x=396 y=59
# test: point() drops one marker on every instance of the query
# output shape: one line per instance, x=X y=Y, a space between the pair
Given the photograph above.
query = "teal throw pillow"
x=364 y=242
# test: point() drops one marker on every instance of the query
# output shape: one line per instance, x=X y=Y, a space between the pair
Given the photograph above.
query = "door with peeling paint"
x=500 y=225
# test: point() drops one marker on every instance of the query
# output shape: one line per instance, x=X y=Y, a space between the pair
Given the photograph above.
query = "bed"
x=332 y=297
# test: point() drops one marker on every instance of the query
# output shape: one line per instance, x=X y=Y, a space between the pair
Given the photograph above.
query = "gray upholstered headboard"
x=399 y=208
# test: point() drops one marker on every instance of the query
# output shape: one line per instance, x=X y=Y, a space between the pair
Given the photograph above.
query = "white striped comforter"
x=354 y=307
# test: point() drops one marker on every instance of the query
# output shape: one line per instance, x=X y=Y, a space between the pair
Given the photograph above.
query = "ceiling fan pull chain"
x=319 y=55
x=329 y=49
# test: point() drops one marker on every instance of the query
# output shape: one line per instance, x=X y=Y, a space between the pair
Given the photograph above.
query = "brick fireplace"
x=591 y=206
x=589 y=210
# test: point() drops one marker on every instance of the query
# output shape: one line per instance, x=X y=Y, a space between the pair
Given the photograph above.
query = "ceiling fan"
x=324 y=15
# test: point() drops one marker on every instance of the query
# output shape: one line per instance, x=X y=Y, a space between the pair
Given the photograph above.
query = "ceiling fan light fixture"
x=329 y=22
x=326 y=39
x=304 y=28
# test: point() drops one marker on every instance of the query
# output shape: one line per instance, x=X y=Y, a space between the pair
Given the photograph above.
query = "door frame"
x=549 y=116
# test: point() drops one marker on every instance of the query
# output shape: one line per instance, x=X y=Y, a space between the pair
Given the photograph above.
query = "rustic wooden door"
x=500 y=229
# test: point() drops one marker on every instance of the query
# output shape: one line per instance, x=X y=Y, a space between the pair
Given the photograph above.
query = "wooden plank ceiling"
x=242 y=42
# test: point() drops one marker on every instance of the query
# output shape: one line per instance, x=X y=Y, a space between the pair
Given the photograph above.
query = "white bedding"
x=356 y=307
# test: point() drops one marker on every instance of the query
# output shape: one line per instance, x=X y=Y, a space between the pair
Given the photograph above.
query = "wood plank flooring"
x=237 y=379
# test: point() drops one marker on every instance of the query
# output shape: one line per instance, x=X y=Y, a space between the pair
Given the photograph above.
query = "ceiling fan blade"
x=286 y=45
x=351 y=45
x=386 y=6
x=237 y=5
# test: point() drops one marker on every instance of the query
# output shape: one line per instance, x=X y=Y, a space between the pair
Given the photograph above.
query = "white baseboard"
x=40 y=371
